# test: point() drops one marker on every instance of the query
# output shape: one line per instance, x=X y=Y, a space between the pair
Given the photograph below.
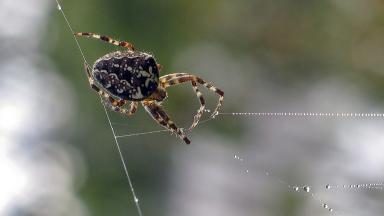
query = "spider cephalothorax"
x=133 y=76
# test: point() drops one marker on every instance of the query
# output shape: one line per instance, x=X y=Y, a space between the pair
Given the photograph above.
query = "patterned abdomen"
x=127 y=74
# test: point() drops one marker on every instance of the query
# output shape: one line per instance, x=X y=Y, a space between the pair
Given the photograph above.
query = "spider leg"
x=130 y=111
x=162 y=118
x=167 y=77
x=202 y=105
x=107 y=39
x=119 y=103
x=177 y=78
x=164 y=80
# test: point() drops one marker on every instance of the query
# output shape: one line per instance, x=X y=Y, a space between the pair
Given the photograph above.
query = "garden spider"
x=133 y=76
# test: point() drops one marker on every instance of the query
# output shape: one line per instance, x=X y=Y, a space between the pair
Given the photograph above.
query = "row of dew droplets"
x=305 y=114
x=240 y=159
x=307 y=189
x=379 y=186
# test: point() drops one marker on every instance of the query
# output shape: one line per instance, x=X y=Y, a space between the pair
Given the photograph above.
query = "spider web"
x=271 y=163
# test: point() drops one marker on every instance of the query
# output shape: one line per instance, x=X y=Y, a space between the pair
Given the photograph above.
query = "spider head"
x=159 y=95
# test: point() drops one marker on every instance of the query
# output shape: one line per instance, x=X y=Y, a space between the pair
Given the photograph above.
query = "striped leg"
x=130 y=111
x=119 y=103
x=164 y=80
x=177 y=78
x=109 y=40
x=162 y=118
x=202 y=105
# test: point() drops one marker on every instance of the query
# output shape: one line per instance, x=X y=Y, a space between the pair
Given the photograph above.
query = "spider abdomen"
x=130 y=75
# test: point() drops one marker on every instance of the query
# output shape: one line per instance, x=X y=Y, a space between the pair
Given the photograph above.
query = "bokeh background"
x=58 y=154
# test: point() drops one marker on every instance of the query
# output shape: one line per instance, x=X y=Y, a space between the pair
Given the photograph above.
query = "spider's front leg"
x=107 y=39
x=172 y=79
x=177 y=78
x=202 y=105
x=162 y=118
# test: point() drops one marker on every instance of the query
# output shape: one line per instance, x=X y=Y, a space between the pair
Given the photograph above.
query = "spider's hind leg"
x=162 y=118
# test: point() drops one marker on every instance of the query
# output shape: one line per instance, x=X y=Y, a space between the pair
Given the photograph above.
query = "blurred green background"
x=267 y=56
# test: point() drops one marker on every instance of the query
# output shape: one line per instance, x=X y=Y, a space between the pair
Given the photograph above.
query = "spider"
x=133 y=76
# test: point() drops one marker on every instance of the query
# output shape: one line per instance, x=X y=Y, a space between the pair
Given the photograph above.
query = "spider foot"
x=196 y=119
x=215 y=114
x=114 y=108
x=180 y=134
x=185 y=139
x=104 y=103
x=193 y=126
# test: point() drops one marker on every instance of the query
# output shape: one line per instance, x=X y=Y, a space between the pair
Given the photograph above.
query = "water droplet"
x=325 y=205
x=136 y=200
x=327 y=186
x=330 y=209
x=58 y=7
x=296 y=188
x=306 y=188
x=247 y=170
